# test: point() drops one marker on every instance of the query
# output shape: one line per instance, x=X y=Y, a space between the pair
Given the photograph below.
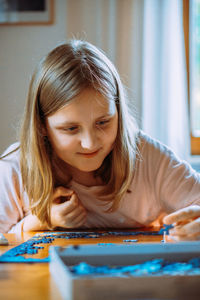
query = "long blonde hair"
x=60 y=76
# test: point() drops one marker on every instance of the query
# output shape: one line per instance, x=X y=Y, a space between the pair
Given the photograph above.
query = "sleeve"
x=176 y=183
x=11 y=208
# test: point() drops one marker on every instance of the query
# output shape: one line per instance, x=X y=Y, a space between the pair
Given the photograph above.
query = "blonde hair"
x=64 y=73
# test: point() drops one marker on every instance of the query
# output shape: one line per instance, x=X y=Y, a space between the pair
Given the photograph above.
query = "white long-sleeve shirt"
x=161 y=184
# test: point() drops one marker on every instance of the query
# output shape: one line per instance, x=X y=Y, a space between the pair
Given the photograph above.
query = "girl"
x=82 y=162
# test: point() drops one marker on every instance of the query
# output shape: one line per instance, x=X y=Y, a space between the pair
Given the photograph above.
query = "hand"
x=67 y=210
x=186 y=223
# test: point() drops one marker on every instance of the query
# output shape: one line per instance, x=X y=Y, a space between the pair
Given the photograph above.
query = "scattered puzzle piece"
x=22 y=259
x=30 y=246
x=130 y=241
x=106 y=244
x=94 y=235
x=166 y=228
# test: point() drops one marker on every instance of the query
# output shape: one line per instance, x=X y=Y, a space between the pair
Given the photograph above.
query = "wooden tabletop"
x=26 y=281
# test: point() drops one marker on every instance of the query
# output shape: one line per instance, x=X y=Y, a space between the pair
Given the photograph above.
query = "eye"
x=102 y=123
x=72 y=129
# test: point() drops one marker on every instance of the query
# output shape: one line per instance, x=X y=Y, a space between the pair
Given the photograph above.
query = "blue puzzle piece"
x=148 y=268
x=166 y=229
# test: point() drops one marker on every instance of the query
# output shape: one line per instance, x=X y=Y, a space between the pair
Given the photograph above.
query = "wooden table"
x=20 y=281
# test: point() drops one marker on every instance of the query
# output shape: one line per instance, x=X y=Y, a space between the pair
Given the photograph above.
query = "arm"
x=14 y=213
x=32 y=223
x=180 y=196
x=14 y=202
x=68 y=213
x=176 y=187
x=12 y=217
x=11 y=203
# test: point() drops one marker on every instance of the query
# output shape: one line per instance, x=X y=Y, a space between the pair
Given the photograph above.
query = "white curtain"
x=116 y=26
x=164 y=81
x=144 y=38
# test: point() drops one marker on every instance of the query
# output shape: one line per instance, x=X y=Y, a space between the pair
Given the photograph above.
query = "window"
x=191 y=18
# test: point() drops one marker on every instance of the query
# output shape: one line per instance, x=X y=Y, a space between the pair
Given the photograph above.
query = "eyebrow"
x=65 y=124
x=72 y=123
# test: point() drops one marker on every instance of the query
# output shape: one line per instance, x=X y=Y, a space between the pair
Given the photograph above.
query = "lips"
x=89 y=154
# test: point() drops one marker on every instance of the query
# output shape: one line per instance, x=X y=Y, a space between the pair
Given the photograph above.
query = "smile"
x=88 y=155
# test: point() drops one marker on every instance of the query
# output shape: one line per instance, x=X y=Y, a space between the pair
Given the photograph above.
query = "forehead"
x=89 y=103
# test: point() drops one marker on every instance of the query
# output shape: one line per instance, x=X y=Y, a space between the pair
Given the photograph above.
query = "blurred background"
x=155 y=45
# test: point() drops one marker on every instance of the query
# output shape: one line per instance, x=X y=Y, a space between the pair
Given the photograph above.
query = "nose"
x=89 y=140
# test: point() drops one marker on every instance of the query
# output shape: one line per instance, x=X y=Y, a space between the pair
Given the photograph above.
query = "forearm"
x=32 y=223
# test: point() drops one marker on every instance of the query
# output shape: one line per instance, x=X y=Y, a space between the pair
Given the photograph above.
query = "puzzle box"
x=89 y=287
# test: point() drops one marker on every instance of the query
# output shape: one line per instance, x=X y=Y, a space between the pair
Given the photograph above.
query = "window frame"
x=194 y=141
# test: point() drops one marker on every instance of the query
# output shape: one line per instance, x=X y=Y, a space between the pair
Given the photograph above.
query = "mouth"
x=89 y=154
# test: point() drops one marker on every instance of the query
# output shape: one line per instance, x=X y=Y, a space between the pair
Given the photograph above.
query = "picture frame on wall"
x=23 y=12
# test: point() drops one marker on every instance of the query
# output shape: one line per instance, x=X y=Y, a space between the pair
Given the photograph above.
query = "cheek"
x=110 y=135
x=114 y=129
x=61 y=142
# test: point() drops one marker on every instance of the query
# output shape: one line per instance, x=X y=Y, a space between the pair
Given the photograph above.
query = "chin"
x=89 y=168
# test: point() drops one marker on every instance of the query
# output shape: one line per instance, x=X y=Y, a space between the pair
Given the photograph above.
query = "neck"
x=84 y=178
x=65 y=172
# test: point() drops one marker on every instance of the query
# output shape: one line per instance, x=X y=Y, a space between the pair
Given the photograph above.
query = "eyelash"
x=74 y=129
x=103 y=122
x=70 y=130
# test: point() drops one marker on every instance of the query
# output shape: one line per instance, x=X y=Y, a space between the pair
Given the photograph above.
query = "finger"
x=75 y=220
x=75 y=213
x=177 y=238
x=62 y=192
x=80 y=219
x=182 y=215
x=70 y=205
x=191 y=228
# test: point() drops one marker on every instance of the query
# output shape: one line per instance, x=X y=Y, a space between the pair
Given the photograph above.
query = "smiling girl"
x=82 y=162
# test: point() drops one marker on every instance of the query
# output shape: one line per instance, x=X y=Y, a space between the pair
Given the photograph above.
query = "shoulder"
x=11 y=150
x=10 y=159
x=151 y=146
x=157 y=155
x=146 y=141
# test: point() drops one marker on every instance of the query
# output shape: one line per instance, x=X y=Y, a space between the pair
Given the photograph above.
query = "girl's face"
x=83 y=132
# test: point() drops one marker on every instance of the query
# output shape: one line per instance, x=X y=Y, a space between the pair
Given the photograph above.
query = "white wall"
x=21 y=47
x=113 y=25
